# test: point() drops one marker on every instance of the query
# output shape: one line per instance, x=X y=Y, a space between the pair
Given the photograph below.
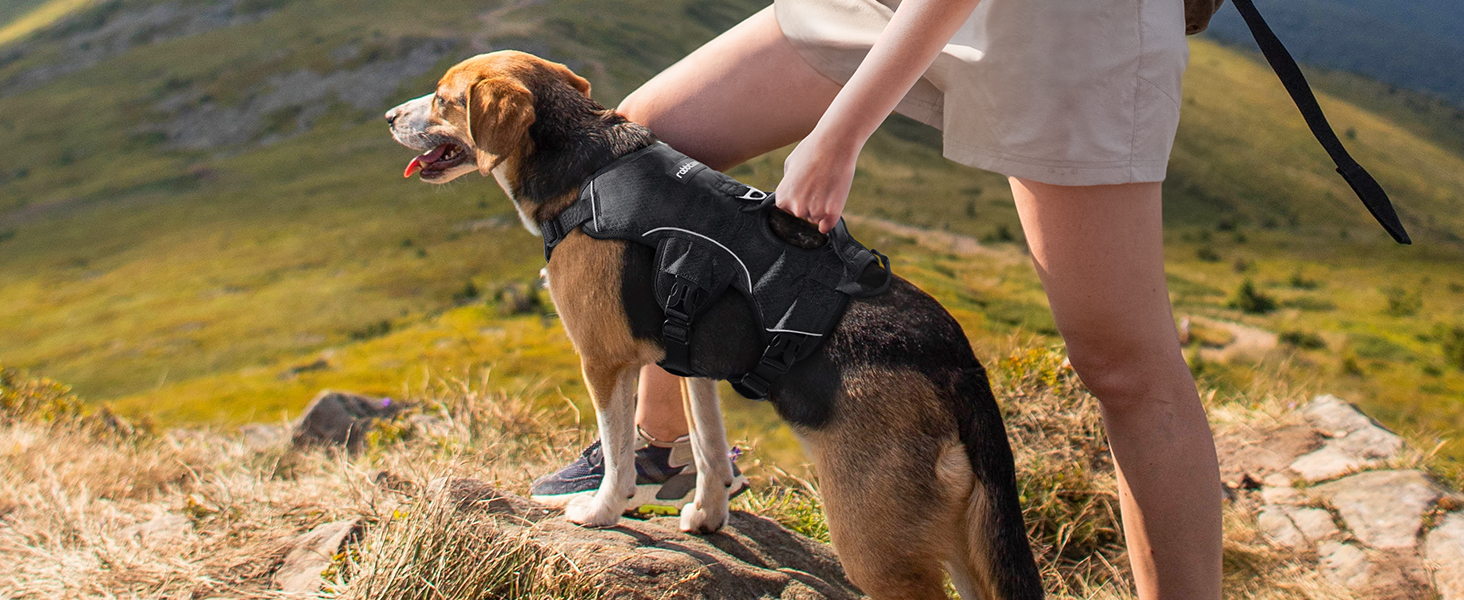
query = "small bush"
x=1453 y=342
x=1251 y=300
x=1301 y=282
x=1207 y=254
x=371 y=330
x=1403 y=302
x=1305 y=340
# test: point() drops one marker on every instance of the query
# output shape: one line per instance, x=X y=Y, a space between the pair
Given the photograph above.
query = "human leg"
x=1099 y=251
x=741 y=95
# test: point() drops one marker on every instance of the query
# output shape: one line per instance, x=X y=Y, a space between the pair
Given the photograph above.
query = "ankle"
x=664 y=441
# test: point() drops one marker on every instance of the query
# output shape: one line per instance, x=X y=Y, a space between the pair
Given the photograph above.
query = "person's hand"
x=816 y=180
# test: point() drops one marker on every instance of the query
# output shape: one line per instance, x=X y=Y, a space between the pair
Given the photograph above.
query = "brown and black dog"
x=894 y=408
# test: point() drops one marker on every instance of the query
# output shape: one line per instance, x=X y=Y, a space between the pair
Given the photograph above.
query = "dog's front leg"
x=708 y=512
x=613 y=392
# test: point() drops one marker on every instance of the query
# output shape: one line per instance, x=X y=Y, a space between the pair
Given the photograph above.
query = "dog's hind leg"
x=613 y=392
x=708 y=511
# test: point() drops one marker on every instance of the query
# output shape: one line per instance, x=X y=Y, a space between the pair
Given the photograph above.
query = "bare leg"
x=1100 y=253
x=743 y=94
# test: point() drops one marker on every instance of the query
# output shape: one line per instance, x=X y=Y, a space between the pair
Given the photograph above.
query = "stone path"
x=1324 y=484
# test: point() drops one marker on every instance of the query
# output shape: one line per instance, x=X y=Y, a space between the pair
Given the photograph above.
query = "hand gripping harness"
x=710 y=233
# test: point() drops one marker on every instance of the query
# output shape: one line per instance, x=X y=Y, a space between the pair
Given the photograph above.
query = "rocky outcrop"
x=341 y=419
x=1322 y=484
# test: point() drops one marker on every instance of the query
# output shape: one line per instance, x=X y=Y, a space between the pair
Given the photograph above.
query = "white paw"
x=697 y=519
x=591 y=512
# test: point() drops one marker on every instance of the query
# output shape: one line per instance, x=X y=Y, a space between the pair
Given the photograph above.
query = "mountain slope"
x=196 y=198
x=1414 y=44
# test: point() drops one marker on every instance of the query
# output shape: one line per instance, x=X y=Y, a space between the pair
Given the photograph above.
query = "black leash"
x=1363 y=184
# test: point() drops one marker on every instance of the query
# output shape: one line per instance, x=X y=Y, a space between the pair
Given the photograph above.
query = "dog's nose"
x=391 y=117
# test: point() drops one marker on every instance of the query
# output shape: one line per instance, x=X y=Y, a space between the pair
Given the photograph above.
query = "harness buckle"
x=753 y=194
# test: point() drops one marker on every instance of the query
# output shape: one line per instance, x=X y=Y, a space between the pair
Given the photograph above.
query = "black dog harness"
x=710 y=233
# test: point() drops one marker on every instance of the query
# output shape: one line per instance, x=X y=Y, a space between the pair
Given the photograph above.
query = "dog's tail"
x=995 y=562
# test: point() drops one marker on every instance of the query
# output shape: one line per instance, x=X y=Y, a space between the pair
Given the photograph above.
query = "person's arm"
x=817 y=175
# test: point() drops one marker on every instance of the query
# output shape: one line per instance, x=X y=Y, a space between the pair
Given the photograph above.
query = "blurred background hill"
x=201 y=216
x=1414 y=44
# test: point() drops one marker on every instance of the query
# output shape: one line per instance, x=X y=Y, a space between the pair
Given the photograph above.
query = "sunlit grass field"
x=195 y=284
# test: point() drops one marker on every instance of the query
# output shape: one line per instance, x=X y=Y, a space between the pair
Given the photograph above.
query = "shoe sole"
x=645 y=500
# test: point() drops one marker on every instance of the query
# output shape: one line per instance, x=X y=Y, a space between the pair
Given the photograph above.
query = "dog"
x=895 y=410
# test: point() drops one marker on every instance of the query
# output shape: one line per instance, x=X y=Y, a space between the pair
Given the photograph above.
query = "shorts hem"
x=1057 y=173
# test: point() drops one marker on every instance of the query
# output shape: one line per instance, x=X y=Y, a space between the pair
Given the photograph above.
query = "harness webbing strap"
x=1363 y=184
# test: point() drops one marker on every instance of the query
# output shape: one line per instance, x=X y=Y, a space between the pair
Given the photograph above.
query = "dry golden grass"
x=74 y=488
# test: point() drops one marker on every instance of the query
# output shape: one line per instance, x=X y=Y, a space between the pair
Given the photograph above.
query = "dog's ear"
x=578 y=82
x=500 y=111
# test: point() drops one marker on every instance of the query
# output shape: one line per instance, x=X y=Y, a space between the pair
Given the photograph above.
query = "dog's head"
x=478 y=119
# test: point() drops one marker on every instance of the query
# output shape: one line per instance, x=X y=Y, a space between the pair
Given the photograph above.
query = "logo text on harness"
x=685 y=168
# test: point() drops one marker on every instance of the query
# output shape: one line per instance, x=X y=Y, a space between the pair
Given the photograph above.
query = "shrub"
x=1403 y=302
x=1453 y=340
x=1207 y=254
x=1305 y=340
x=1252 y=301
x=1300 y=282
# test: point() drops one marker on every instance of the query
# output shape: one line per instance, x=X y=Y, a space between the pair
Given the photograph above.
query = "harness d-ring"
x=768 y=200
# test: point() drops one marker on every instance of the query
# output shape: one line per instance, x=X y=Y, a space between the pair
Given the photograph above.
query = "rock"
x=1371 y=442
x=752 y=557
x=1277 y=525
x=1282 y=495
x=165 y=527
x=1357 y=442
x=1344 y=563
x=1327 y=463
x=1263 y=452
x=1314 y=523
x=341 y=419
x=310 y=555
x=1384 y=509
x=1444 y=549
x=1334 y=416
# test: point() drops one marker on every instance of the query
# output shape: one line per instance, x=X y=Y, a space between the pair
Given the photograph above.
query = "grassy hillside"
x=199 y=205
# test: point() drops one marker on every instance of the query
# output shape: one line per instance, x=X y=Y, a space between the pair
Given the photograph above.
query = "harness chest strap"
x=710 y=233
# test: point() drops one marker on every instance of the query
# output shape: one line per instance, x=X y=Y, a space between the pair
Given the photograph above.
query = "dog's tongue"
x=424 y=160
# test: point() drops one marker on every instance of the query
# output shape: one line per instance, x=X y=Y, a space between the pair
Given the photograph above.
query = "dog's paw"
x=697 y=519
x=590 y=512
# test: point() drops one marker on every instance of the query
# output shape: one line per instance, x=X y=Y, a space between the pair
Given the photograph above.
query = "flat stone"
x=1282 y=495
x=1315 y=523
x=1384 y=509
x=310 y=555
x=1328 y=463
x=1334 y=416
x=1277 y=525
x=1279 y=479
x=1444 y=549
x=751 y=557
x=163 y=528
x=1371 y=442
x=1344 y=563
x=1261 y=452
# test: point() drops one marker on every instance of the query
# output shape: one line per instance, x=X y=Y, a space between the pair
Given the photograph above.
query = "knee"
x=1129 y=374
x=637 y=107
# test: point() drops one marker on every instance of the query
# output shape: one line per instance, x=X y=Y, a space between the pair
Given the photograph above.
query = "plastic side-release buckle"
x=681 y=305
x=779 y=356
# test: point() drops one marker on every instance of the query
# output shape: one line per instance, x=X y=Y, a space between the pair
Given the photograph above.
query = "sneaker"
x=665 y=479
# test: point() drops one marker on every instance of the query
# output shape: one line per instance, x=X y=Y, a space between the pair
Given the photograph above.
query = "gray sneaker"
x=665 y=479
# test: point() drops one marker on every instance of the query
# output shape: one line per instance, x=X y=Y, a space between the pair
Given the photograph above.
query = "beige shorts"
x=1057 y=91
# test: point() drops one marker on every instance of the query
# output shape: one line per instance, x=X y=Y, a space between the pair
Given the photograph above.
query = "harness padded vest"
x=711 y=233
